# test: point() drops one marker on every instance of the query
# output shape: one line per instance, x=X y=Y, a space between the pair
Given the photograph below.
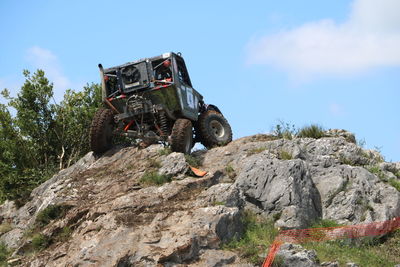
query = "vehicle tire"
x=101 y=130
x=182 y=136
x=213 y=129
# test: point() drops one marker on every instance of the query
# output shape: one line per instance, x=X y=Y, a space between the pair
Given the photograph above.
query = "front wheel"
x=182 y=136
x=213 y=129
x=101 y=131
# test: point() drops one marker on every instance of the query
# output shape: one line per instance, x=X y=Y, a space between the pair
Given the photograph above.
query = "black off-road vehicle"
x=152 y=100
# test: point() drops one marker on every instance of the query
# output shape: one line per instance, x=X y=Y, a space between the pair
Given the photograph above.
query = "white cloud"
x=46 y=60
x=369 y=38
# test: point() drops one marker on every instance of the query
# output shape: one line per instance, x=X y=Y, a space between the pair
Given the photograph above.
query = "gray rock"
x=353 y=195
x=118 y=221
x=221 y=194
x=348 y=136
x=174 y=164
x=296 y=256
x=280 y=186
x=215 y=258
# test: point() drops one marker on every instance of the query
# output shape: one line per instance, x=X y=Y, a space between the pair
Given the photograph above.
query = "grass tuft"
x=193 y=161
x=313 y=131
x=4 y=228
x=256 y=150
x=154 y=163
x=284 y=155
x=395 y=183
x=154 y=178
x=40 y=242
x=64 y=234
x=230 y=171
x=284 y=130
x=258 y=235
x=165 y=151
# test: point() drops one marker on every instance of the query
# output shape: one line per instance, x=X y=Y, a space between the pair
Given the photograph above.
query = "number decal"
x=189 y=94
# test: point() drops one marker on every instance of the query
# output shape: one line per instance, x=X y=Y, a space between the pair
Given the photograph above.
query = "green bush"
x=312 y=131
x=64 y=234
x=154 y=178
x=50 y=213
x=40 y=242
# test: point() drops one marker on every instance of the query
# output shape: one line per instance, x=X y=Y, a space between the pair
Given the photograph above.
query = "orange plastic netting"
x=330 y=233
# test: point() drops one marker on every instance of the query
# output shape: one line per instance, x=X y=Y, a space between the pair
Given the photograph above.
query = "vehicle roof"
x=165 y=55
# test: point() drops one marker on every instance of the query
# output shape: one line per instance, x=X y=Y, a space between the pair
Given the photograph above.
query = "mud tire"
x=213 y=129
x=182 y=136
x=101 y=131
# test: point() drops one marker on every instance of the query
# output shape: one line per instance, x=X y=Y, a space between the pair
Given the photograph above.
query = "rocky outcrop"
x=112 y=218
x=295 y=255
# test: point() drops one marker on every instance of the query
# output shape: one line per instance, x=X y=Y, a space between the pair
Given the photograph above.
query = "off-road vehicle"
x=152 y=100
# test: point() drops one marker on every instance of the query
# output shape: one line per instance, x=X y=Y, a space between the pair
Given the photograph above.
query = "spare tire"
x=213 y=129
x=182 y=136
x=101 y=130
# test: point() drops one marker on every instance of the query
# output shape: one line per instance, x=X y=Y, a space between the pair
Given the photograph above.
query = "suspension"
x=162 y=120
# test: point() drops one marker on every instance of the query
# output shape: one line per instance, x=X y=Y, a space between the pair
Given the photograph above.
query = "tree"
x=74 y=116
x=35 y=118
x=43 y=135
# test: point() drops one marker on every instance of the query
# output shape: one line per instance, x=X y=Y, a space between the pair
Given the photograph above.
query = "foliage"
x=165 y=151
x=154 y=163
x=5 y=227
x=258 y=235
x=256 y=150
x=153 y=178
x=284 y=130
x=218 y=203
x=40 y=136
x=377 y=171
x=367 y=251
x=64 y=234
x=50 y=213
x=4 y=254
x=285 y=155
x=74 y=116
x=40 y=242
x=364 y=253
x=324 y=223
x=395 y=183
x=312 y=131
x=230 y=171
x=193 y=161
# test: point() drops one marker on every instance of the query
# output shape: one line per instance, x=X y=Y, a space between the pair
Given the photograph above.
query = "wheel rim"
x=217 y=128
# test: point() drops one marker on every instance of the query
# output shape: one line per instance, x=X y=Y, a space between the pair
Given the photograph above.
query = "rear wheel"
x=182 y=136
x=213 y=129
x=101 y=131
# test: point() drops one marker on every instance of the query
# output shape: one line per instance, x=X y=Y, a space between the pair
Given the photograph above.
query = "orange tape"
x=330 y=233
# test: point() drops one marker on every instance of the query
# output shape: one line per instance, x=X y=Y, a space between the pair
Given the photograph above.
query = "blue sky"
x=336 y=63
